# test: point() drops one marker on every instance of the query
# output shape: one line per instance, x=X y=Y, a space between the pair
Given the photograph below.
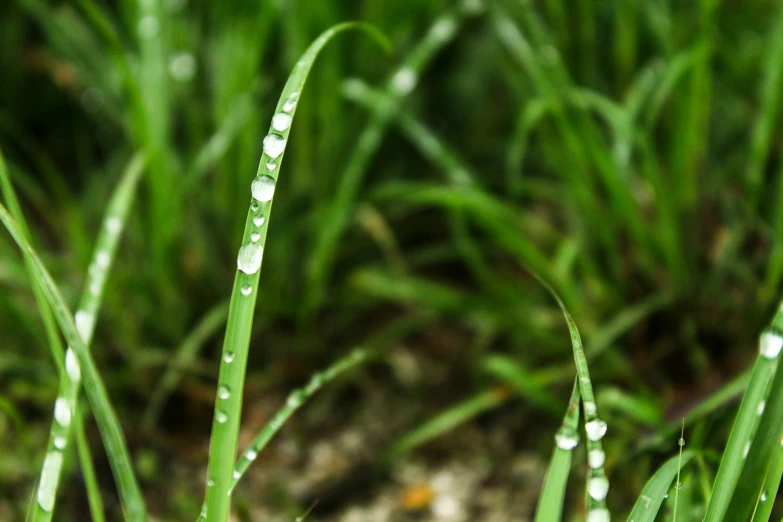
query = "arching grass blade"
x=654 y=492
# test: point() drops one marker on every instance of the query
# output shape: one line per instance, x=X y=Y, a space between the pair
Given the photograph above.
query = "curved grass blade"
x=766 y=498
x=108 y=423
x=228 y=406
x=738 y=445
x=550 y=503
x=295 y=400
x=651 y=498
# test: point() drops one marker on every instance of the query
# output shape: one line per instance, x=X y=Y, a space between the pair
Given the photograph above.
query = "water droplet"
x=679 y=485
x=263 y=188
x=84 y=321
x=223 y=392
x=249 y=258
x=666 y=495
x=259 y=220
x=148 y=27
x=274 y=145
x=102 y=259
x=246 y=290
x=589 y=408
x=72 y=366
x=595 y=429
x=204 y=510
x=760 y=409
x=251 y=454
x=566 y=438
x=746 y=450
x=62 y=412
x=254 y=206
x=182 y=67
x=289 y=105
x=271 y=165
x=236 y=474
x=254 y=237
x=221 y=417
x=295 y=399
x=596 y=458
x=281 y=121
x=404 y=81
x=770 y=343
x=113 y=225
x=59 y=442
x=210 y=483
x=598 y=515
x=598 y=487
x=228 y=357
x=763 y=496
x=681 y=442
x=50 y=474
x=444 y=28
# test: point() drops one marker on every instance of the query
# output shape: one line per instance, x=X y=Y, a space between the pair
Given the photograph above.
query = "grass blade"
x=550 y=503
x=649 y=502
x=295 y=400
x=228 y=406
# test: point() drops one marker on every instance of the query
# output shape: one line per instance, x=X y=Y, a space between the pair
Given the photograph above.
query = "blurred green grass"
x=628 y=151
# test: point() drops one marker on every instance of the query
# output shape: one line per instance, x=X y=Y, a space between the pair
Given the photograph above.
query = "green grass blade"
x=738 y=445
x=550 y=503
x=766 y=500
x=656 y=489
x=88 y=472
x=108 y=423
x=525 y=382
x=228 y=406
x=295 y=400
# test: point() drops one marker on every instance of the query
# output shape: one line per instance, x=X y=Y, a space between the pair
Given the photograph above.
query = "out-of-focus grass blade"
x=447 y=421
x=766 y=499
x=550 y=503
x=108 y=424
x=738 y=445
x=186 y=352
x=525 y=382
x=656 y=489
x=228 y=406
x=295 y=400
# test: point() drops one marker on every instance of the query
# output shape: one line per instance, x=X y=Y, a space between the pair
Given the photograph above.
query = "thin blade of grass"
x=108 y=423
x=766 y=499
x=654 y=492
x=228 y=406
x=526 y=383
x=295 y=400
x=550 y=503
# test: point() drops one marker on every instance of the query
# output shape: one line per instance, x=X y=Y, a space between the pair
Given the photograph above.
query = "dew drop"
x=246 y=290
x=204 y=510
x=254 y=206
x=228 y=357
x=102 y=259
x=50 y=474
x=596 y=458
x=84 y=321
x=746 y=450
x=590 y=408
x=274 y=145
x=249 y=258
x=72 y=366
x=59 y=442
x=763 y=496
x=679 y=485
x=236 y=474
x=182 y=67
x=62 y=412
x=598 y=515
x=210 y=483
x=259 y=220
x=760 y=409
x=295 y=399
x=770 y=343
x=444 y=28
x=681 y=442
x=113 y=225
x=251 y=454
x=404 y=81
x=223 y=392
x=289 y=105
x=595 y=429
x=598 y=487
x=254 y=237
x=263 y=188
x=221 y=417
x=148 y=27
x=271 y=165
x=566 y=438
x=281 y=121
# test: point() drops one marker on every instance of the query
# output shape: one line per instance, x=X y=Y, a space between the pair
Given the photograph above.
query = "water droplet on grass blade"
x=72 y=365
x=770 y=343
x=259 y=220
x=598 y=515
x=254 y=237
x=221 y=417
x=263 y=188
x=250 y=257
x=290 y=104
x=760 y=409
x=84 y=321
x=566 y=438
x=49 y=476
x=595 y=429
x=271 y=165
x=598 y=487
x=59 y=443
x=223 y=392
x=763 y=496
x=62 y=412
x=236 y=474
x=114 y=225
x=596 y=458
x=746 y=450
x=404 y=81
x=681 y=442
x=254 y=206
x=246 y=290
x=228 y=357
x=590 y=408
x=274 y=145
x=281 y=121
x=251 y=454
x=444 y=28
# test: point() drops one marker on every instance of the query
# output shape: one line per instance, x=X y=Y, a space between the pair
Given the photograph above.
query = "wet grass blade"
x=295 y=401
x=656 y=489
x=108 y=423
x=550 y=503
x=228 y=406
